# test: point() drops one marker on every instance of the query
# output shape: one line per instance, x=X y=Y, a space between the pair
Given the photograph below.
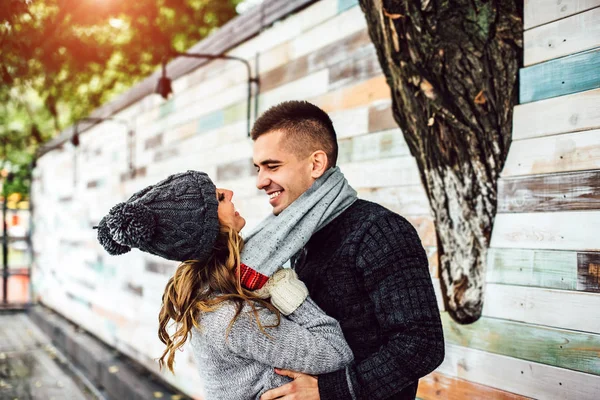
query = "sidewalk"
x=30 y=367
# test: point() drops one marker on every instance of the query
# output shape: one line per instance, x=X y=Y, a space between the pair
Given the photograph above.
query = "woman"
x=237 y=336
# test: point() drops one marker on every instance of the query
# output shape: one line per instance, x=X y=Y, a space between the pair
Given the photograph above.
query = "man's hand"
x=304 y=387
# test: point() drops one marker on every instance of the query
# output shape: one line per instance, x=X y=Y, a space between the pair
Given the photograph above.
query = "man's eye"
x=273 y=167
x=221 y=196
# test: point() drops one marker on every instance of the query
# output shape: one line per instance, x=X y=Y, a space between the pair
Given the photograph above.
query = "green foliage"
x=63 y=58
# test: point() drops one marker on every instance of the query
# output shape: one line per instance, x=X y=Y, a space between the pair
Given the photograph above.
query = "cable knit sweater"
x=241 y=366
x=368 y=269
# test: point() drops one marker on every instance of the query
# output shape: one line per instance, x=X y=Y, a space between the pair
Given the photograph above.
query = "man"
x=366 y=268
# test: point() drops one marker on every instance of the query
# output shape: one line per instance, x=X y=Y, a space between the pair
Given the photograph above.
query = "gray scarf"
x=278 y=238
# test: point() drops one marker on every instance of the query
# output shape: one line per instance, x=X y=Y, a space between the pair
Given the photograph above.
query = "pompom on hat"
x=175 y=219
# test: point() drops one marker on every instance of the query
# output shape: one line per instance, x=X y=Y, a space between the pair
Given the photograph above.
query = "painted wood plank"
x=566 y=75
x=526 y=378
x=567 y=36
x=349 y=123
x=572 y=230
x=328 y=56
x=440 y=386
x=336 y=28
x=437 y=288
x=576 y=151
x=358 y=67
x=343 y=5
x=588 y=272
x=361 y=94
x=557 y=347
x=404 y=200
x=531 y=267
x=396 y=171
x=373 y=146
x=554 y=308
x=559 y=192
x=381 y=117
x=306 y=87
x=539 y=12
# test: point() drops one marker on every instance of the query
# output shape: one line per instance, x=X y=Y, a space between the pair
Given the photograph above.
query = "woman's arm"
x=308 y=340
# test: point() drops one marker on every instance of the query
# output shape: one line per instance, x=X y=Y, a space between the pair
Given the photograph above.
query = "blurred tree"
x=60 y=59
x=452 y=68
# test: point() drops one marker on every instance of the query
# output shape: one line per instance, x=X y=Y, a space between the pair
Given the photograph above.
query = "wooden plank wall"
x=539 y=336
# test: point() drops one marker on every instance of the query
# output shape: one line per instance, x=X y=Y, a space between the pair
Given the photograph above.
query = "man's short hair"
x=307 y=128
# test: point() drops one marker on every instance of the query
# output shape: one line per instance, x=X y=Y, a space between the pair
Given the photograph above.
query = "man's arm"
x=396 y=276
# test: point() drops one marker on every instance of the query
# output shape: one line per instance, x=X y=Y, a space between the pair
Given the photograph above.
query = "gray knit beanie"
x=176 y=219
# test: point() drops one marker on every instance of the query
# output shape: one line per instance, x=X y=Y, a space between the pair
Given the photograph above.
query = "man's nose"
x=229 y=194
x=262 y=180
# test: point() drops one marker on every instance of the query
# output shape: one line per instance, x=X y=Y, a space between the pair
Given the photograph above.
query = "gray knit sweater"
x=242 y=366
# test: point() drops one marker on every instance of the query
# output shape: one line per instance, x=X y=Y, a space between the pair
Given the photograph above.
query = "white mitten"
x=287 y=292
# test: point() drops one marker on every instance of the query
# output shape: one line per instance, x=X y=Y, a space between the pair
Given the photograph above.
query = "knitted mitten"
x=287 y=292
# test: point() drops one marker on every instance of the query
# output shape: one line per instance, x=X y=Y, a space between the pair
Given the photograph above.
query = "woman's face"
x=227 y=214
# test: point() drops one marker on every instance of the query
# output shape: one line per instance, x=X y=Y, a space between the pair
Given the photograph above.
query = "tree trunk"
x=452 y=69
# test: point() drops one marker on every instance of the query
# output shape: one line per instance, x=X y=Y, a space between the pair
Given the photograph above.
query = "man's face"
x=281 y=174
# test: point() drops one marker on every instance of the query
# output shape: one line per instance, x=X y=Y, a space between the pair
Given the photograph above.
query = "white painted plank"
x=571 y=113
x=571 y=230
x=336 y=28
x=567 y=36
x=561 y=153
x=539 y=12
x=285 y=31
x=309 y=86
x=397 y=171
x=437 y=288
x=526 y=378
x=348 y=123
x=404 y=200
x=549 y=307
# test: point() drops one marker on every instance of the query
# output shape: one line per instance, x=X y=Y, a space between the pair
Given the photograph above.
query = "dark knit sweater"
x=368 y=269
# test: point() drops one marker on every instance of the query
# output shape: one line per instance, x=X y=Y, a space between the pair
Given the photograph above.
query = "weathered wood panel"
x=538 y=12
x=557 y=347
x=440 y=386
x=373 y=146
x=554 y=308
x=531 y=267
x=395 y=171
x=560 y=192
x=574 y=112
x=572 y=230
x=526 y=378
x=354 y=96
x=560 y=153
x=561 y=76
x=350 y=122
x=577 y=33
x=588 y=272
x=308 y=86
x=346 y=24
x=321 y=58
x=404 y=200
x=381 y=117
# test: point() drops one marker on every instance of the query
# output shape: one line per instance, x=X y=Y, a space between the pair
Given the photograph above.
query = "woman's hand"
x=286 y=291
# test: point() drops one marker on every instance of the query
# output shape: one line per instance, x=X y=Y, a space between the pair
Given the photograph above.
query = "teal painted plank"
x=561 y=76
x=343 y=5
x=210 y=121
x=539 y=268
x=166 y=108
x=557 y=347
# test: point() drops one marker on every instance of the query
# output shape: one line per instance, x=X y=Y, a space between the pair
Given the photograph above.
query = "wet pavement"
x=30 y=367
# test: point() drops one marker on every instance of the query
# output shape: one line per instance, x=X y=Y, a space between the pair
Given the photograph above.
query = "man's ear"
x=319 y=164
